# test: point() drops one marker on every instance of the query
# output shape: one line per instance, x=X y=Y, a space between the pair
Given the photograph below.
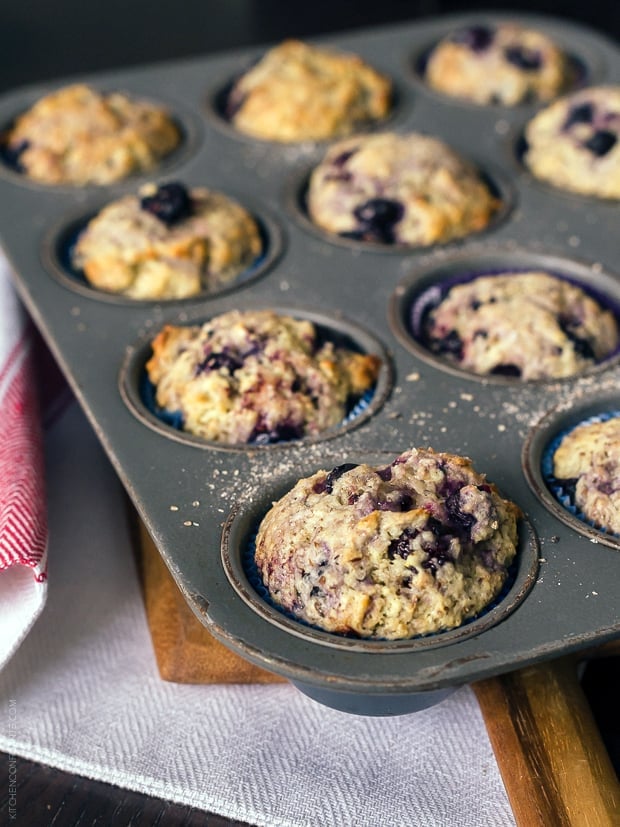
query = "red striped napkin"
x=23 y=507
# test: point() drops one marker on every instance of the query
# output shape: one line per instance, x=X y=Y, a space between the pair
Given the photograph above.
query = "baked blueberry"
x=529 y=60
x=170 y=203
x=378 y=217
x=11 y=155
x=477 y=38
x=601 y=142
x=581 y=113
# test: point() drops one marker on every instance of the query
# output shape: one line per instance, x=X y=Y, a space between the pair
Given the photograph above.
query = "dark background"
x=47 y=39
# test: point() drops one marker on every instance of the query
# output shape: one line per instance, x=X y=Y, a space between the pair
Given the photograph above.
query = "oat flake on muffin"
x=411 y=548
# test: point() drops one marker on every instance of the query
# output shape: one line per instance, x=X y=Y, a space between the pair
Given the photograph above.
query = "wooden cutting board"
x=185 y=651
x=550 y=753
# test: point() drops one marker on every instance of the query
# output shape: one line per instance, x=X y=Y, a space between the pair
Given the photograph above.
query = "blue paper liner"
x=564 y=490
x=248 y=563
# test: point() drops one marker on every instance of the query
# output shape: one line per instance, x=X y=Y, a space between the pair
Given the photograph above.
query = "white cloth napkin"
x=85 y=696
x=23 y=511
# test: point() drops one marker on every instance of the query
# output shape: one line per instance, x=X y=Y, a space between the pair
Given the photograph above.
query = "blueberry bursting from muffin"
x=170 y=203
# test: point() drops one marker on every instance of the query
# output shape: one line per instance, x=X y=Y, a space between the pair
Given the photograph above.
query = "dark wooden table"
x=41 y=41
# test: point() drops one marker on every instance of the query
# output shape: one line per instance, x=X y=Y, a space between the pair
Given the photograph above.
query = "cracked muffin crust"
x=589 y=457
x=505 y=63
x=79 y=136
x=411 y=548
x=530 y=325
x=392 y=188
x=167 y=242
x=256 y=377
x=300 y=92
x=573 y=143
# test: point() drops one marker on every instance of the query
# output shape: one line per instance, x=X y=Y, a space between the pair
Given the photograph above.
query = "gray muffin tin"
x=200 y=502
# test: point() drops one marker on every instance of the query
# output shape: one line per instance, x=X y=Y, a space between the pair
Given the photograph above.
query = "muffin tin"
x=200 y=501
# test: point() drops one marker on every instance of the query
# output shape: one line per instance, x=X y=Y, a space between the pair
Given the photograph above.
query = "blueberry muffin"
x=588 y=457
x=505 y=63
x=392 y=188
x=256 y=377
x=167 y=243
x=299 y=92
x=79 y=136
x=530 y=325
x=415 y=547
x=573 y=143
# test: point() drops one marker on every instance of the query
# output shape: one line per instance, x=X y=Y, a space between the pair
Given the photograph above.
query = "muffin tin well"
x=138 y=392
x=188 y=124
x=538 y=459
x=237 y=545
x=199 y=502
x=57 y=248
x=296 y=197
x=424 y=287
